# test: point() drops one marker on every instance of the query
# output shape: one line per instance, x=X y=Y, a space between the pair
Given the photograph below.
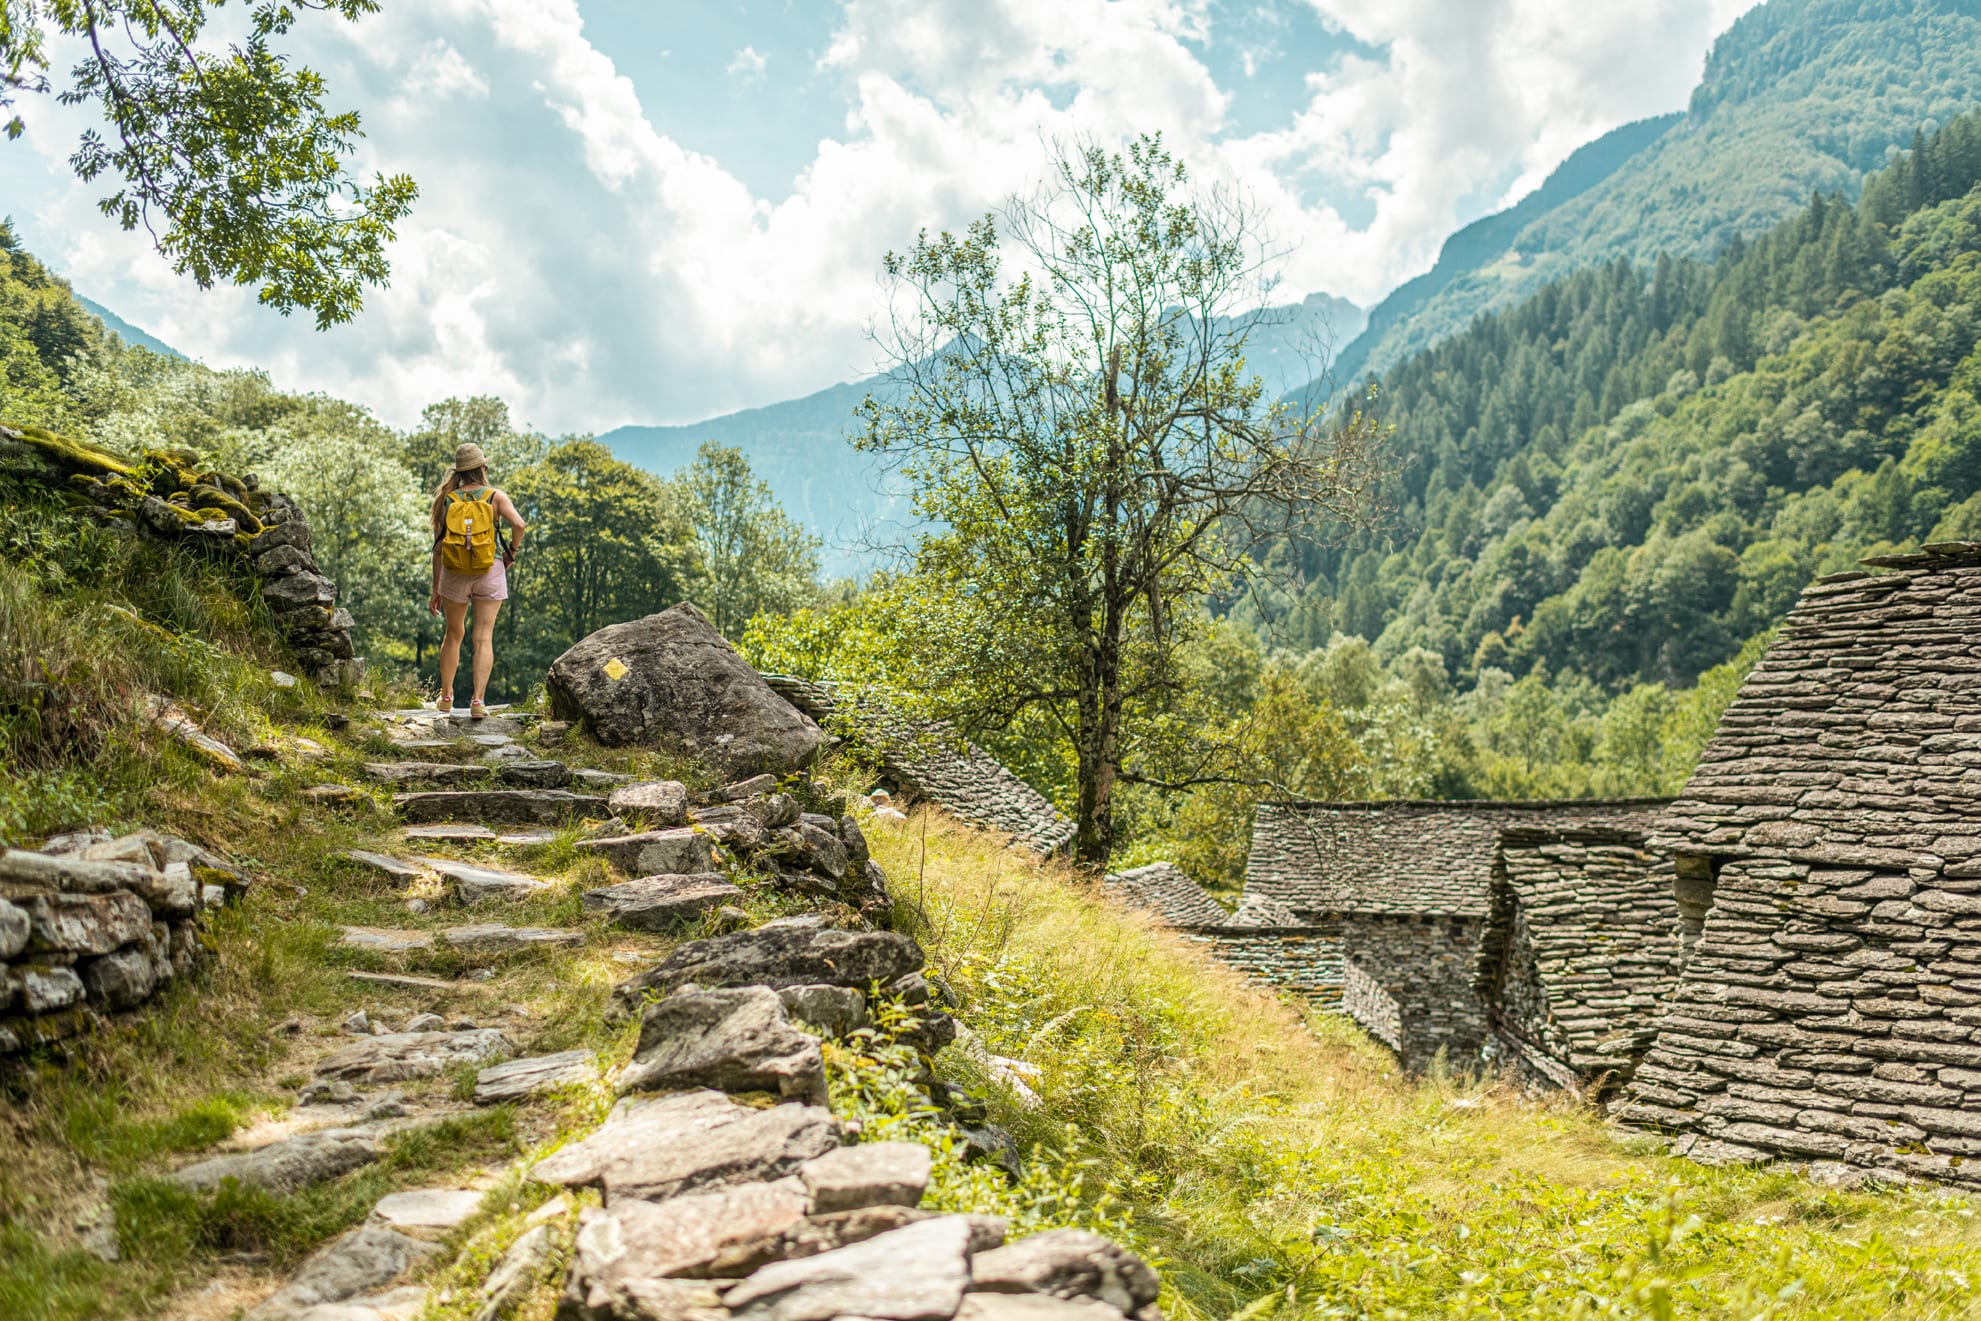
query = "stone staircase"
x=726 y=1188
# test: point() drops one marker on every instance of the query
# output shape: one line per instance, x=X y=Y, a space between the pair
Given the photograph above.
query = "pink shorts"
x=463 y=587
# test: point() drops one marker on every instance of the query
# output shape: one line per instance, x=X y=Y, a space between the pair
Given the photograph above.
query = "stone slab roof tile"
x=1402 y=856
x=930 y=759
x=1163 y=889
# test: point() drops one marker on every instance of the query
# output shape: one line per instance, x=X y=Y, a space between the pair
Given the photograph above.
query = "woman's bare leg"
x=450 y=642
x=484 y=645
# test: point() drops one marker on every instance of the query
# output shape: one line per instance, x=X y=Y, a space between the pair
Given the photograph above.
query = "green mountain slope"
x=1625 y=477
x=1798 y=96
x=799 y=446
x=124 y=330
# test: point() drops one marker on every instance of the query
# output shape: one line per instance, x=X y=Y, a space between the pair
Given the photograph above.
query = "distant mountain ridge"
x=127 y=332
x=1798 y=96
x=861 y=508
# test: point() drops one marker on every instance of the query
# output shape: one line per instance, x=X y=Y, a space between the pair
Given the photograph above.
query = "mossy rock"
x=171 y=471
x=69 y=455
x=212 y=497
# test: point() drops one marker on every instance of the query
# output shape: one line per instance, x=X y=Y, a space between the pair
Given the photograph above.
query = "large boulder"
x=670 y=679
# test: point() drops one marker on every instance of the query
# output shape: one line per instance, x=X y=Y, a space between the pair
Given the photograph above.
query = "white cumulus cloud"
x=570 y=255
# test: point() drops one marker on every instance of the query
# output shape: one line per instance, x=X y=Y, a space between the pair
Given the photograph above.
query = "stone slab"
x=399 y=1056
x=516 y=1080
x=689 y=1142
x=661 y=903
x=473 y=885
x=914 y=1274
x=494 y=938
x=426 y=1211
x=505 y=807
x=287 y=1166
x=682 y=852
x=869 y=1174
x=450 y=832
x=385 y=940
x=735 y=1040
x=397 y=870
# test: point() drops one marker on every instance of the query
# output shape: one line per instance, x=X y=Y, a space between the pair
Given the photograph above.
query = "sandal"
x=476 y=711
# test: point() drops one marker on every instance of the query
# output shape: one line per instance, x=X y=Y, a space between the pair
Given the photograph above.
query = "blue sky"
x=661 y=210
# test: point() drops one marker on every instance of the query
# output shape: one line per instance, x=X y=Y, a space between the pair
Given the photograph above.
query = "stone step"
x=426 y=1212
x=399 y=1056
x=473 y=885
x=519 y=1079
x=472 y=938
x=661 y=903
x=514 y=774
x=509 y=807
x=680 y=852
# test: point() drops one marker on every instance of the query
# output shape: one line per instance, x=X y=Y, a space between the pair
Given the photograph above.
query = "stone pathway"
x=729 y=1189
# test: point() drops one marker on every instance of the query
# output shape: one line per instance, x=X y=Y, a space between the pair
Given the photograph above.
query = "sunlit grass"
x=1276 y=1162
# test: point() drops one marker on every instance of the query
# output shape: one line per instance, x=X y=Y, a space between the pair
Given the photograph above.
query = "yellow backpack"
x=468 y=545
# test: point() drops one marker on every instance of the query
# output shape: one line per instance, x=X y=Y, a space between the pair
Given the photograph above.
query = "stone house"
x=1409 y=884
x=1580 y=950
x=1829 y=884
x=929 y=759
x=1164 y=889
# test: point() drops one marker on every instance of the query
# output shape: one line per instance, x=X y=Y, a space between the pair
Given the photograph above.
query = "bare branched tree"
x=1069 y=397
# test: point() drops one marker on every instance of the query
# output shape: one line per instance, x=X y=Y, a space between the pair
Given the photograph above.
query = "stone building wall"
x=929 y=759
x=1410 y=980
x=1581 y=948
x=1403 y=856
x=1411 y=884
x=1830 y=1007
x=92 y=925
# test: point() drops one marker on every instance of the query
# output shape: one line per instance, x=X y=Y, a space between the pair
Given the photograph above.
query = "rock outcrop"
x=670 y=680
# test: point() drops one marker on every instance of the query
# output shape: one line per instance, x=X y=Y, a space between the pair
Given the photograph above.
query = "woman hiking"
x=470 y=564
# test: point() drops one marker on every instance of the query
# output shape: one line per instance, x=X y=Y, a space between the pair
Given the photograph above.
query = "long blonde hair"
x=452 y=482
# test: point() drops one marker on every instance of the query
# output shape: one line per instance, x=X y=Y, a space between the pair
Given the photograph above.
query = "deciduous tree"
x=226 y=155
x=1070 y=401
x=755 y=557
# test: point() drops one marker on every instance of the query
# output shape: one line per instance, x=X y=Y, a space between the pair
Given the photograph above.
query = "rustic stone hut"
x=1409 y=884
x=1166 y=890
x=1828 y=851
x=929 y=759
x=1580 y=950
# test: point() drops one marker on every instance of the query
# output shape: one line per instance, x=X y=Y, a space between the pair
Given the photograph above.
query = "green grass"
x=1276 y=1164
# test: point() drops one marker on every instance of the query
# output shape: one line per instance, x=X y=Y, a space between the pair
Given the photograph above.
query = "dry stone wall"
x=92 y=925
x=167 y=494
x=1301 y=960
x=1408 y=886
x=1830 y=1006
x=929 y=759
x=1409 y=980
x=1581 y=948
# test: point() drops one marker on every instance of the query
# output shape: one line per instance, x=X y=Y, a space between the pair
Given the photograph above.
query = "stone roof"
x=1581 y=948
x=1856 y=741
x=1825 y=1010
x=1401 y=856
x=929 y=759
x=1164 y=889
